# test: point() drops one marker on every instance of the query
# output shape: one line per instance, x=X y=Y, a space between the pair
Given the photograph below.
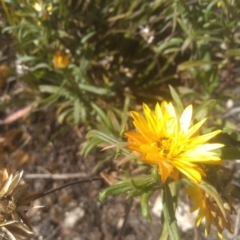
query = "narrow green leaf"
x=232 y=133
x=102 y=136
x=140 y=182
x=186 y=43
x=205 y=109
x=115 y=122
x=172 y=42
x=186 y=91
x=62 y=116
x=83 y=113
x=49 y=89
x=145 y=206
x=233 y=52
x=76 y=111
x=39 y=66
x=105 y=119
x=125 y=114
x=116 y=189
x=28 y=58
x=155 y=174
x=198 y=63
x=183 y=25
x=106 y=158
x=88 y=146
x=96 y=90
x=229 y=153
x=169 y=213
x=88 y=36
x=164 y=234
x=176 y=98
x=134 y=193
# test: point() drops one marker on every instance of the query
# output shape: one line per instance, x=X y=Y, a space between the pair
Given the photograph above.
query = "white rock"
x=120 y=223
x=157 y=206
x=72 y=217
x=229 y=103
x=185 y=219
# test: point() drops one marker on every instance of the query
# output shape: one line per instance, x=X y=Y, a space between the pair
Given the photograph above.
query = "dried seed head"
x=15 y=199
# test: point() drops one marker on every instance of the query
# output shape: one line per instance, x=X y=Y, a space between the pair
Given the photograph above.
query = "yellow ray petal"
x=203 y=139
x=136 y=137
x=186 y=118
x=165 y=170
x=191 y=173
x=194 y=128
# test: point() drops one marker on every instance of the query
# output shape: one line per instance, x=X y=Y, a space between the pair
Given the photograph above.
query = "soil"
x=75 y=213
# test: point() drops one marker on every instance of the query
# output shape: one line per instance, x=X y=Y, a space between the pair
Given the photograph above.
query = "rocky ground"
x=74 y=212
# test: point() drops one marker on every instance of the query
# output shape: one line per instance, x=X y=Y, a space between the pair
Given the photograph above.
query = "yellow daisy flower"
x=39 y=6
x=208 y=210
x=172 y=143
x=61 y=60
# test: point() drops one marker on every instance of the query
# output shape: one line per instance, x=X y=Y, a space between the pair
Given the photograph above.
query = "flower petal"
x=186 y=118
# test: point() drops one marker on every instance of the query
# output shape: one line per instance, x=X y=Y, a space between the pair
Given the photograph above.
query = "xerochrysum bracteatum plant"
x=175 y=153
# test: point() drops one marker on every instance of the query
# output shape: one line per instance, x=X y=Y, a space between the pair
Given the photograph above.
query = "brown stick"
x=56 y=176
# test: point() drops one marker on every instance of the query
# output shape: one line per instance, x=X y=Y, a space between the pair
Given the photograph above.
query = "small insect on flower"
x=208 y=210
x=172 y=143
x=61 y=60
x=15 y=200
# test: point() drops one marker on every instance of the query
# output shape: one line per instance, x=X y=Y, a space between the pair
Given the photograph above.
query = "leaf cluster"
x=122 y=46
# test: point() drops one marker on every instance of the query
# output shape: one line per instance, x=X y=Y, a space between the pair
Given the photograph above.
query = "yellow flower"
x=208 y=210
x=172 y=143
x=39 y=7
x=61 y=60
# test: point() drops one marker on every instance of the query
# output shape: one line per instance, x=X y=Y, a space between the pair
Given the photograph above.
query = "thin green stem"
x=169 y=205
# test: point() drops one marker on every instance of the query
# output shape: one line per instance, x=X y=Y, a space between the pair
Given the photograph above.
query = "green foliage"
x=144 y=186
x=144 y=204
x=108 y=129
x=119 y=47
x=141 y=184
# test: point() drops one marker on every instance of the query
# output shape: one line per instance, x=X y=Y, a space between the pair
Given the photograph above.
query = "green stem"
x=10 y=21
x=169 y=206
x=164 y=233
